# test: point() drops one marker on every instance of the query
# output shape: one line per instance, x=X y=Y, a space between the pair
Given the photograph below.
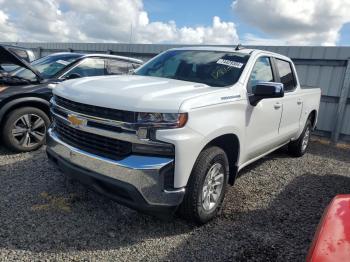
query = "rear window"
x=286 y=74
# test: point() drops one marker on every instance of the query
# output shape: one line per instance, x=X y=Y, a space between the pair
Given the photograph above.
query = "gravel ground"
x=269 y=215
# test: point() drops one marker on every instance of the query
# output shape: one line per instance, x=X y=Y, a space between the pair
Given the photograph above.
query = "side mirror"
x=265 y=90
x=73 y=76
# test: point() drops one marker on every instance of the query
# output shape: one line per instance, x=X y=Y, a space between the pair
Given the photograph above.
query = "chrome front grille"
x=91 y=131
x=95 y=144
x=97 y=111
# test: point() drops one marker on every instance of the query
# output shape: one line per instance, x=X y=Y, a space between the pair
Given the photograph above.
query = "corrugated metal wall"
x=325 y=67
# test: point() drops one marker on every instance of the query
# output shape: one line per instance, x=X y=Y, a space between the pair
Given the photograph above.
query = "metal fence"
x=324 y=67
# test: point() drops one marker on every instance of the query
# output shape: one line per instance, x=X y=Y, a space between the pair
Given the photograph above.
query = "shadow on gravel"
x=279 y=153
x=4 y=151
x=39 y=214
x=316 y=149
x=330 y=151
x=282 y=232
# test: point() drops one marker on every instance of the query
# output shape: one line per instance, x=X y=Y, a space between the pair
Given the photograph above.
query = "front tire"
x=206 y=187
x=25 y=129
x=298 y=147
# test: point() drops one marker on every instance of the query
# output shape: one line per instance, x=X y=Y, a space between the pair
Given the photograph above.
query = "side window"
x=117 y=67
x=89 y=67
x=135 y=66
x=286 y=74
x=262 y=72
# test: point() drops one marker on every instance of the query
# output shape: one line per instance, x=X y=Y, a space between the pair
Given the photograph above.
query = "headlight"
x=170 y=120
x=148 y=123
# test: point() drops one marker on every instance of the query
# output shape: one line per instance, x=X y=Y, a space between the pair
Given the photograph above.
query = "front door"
x=262 y=120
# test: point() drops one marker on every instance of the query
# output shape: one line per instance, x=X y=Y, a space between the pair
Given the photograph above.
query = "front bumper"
x=135 y=181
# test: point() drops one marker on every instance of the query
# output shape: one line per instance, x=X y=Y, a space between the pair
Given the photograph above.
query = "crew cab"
x=176 y=133
x=25 y=92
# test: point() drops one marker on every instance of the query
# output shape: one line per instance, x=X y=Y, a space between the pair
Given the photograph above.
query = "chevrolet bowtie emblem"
x=76 y=121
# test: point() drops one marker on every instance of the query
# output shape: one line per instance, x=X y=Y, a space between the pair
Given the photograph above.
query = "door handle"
x=299 y=102
x=277 y=105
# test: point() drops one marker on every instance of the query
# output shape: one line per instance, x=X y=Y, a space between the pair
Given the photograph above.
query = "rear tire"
x=298 y=147
x=25 y=129
x=206 y=186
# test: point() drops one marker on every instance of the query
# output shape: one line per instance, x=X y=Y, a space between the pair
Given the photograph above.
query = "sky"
x=259 y=22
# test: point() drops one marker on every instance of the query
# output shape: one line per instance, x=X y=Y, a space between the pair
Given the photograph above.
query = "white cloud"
x=101 y=20
x=37 y=20
x=250 y=39
x=299 y=22
x=218 y=33
x=7 y=31
x=287 y=22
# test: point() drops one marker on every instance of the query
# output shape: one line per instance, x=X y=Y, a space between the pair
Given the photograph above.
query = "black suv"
x=25 y=92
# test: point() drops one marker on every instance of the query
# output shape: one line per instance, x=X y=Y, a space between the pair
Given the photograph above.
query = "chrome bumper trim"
x=143 y=172
x=124 y=125
x=175 y=191
x=132 y=138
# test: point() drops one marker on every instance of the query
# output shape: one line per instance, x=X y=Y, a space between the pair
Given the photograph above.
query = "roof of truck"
x=215 y=48
x=229 y=49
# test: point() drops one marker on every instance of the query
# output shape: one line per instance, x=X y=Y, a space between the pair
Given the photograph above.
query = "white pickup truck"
x=174 y=134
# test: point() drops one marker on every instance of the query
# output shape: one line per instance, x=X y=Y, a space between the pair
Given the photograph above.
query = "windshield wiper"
x=18 y=77
x=13 y=80
x=21 y=78
x=178 y=78
x=190 y=80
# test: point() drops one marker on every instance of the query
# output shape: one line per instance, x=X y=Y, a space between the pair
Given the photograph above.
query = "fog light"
x=165 y=149
x=142 y=133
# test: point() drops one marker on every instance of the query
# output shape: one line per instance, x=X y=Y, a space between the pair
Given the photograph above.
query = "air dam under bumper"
x=136 y=181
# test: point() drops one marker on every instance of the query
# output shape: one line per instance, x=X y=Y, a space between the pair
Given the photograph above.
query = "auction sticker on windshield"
x=229 y=63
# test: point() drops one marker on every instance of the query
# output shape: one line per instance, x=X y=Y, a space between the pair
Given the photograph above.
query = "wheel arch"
x=231 y=145
x=313 y=118
x=37 y=102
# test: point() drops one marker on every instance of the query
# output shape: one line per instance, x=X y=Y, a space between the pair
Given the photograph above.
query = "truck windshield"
x=213 y=68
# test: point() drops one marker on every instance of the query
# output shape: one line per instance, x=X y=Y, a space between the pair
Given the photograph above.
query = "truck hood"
x=9 y=57
x=132 y=93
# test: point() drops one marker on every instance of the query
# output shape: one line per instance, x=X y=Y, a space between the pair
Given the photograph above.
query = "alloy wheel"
x=212 y=187
x=306 y=139
x=29 y=130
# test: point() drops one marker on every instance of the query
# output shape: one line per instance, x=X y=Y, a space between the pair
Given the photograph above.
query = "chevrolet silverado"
x=174 y=134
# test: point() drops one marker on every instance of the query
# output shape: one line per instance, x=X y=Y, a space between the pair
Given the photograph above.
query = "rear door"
x=292 y=103
x=262 y=120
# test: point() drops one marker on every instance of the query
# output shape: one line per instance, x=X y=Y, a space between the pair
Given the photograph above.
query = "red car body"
x=332 y=238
